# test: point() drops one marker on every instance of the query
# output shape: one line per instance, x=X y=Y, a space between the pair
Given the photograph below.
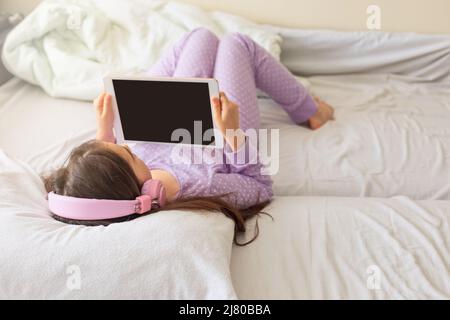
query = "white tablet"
x=164 y=110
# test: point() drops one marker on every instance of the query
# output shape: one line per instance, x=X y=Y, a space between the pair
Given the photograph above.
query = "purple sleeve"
x=243 y=191
x=243 y=181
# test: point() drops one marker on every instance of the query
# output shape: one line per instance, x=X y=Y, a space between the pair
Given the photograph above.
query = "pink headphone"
x=153 y=195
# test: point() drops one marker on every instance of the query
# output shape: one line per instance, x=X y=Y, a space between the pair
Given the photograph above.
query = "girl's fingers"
x=215 y=101
x=99 y=101
x=101 y=97
x=106 y=103
x=216 y=108
x=223 y=98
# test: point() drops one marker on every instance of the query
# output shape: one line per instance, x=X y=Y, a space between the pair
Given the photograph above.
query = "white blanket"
x=67 y=46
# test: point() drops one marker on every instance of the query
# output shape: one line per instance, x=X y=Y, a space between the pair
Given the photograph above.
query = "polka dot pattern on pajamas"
x=240 y=66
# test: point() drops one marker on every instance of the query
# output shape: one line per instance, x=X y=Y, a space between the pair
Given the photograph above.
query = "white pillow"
x=166 y=255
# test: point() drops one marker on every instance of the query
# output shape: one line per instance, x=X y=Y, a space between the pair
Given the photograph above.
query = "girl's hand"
x=226 y=117
x=105 y=117
x=103 y=111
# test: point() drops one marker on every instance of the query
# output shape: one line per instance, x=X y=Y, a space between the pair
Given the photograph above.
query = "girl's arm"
x=105 y=118
x=226 y=118
x=243 y=191
x=243 y=180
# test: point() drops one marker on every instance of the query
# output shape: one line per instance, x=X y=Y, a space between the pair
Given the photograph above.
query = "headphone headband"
x=153 y=195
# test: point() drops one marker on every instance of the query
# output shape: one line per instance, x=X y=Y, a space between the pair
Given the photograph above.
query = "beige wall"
x=426 y=16
x=13 y=6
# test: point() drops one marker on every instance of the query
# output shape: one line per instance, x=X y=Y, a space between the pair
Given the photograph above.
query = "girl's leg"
x=234 y=70
x=242 y=66
x=192 y=56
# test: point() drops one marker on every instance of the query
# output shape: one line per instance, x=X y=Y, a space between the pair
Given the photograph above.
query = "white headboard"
x=423 y=16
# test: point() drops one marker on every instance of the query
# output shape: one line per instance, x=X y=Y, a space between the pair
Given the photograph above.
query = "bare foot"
x=324 y=113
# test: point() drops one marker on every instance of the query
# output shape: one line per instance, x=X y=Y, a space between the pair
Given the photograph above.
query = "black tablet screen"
x=152 y=110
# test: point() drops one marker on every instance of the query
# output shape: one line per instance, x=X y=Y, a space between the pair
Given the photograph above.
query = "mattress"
x=390 y=137
x=346 y=248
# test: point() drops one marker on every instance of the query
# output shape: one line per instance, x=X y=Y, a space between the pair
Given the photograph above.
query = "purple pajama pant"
x=240 y=65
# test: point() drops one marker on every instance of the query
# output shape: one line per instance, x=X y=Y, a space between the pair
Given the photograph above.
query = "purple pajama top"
x=244 y=183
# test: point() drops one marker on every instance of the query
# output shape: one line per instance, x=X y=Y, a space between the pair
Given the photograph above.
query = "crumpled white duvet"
x=67 y=46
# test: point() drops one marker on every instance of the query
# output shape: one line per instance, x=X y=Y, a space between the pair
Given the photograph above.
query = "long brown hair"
x=94 y=171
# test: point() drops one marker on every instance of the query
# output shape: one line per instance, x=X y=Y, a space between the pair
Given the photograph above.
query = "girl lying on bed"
x=101 y=169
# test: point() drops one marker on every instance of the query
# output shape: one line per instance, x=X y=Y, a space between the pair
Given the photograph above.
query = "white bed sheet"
x=347 y=248
x=391 y=136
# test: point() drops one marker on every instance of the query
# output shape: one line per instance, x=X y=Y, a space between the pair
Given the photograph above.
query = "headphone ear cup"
x=155 y=189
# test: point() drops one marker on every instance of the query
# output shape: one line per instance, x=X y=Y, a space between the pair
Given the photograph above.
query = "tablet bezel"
x=213 y=87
